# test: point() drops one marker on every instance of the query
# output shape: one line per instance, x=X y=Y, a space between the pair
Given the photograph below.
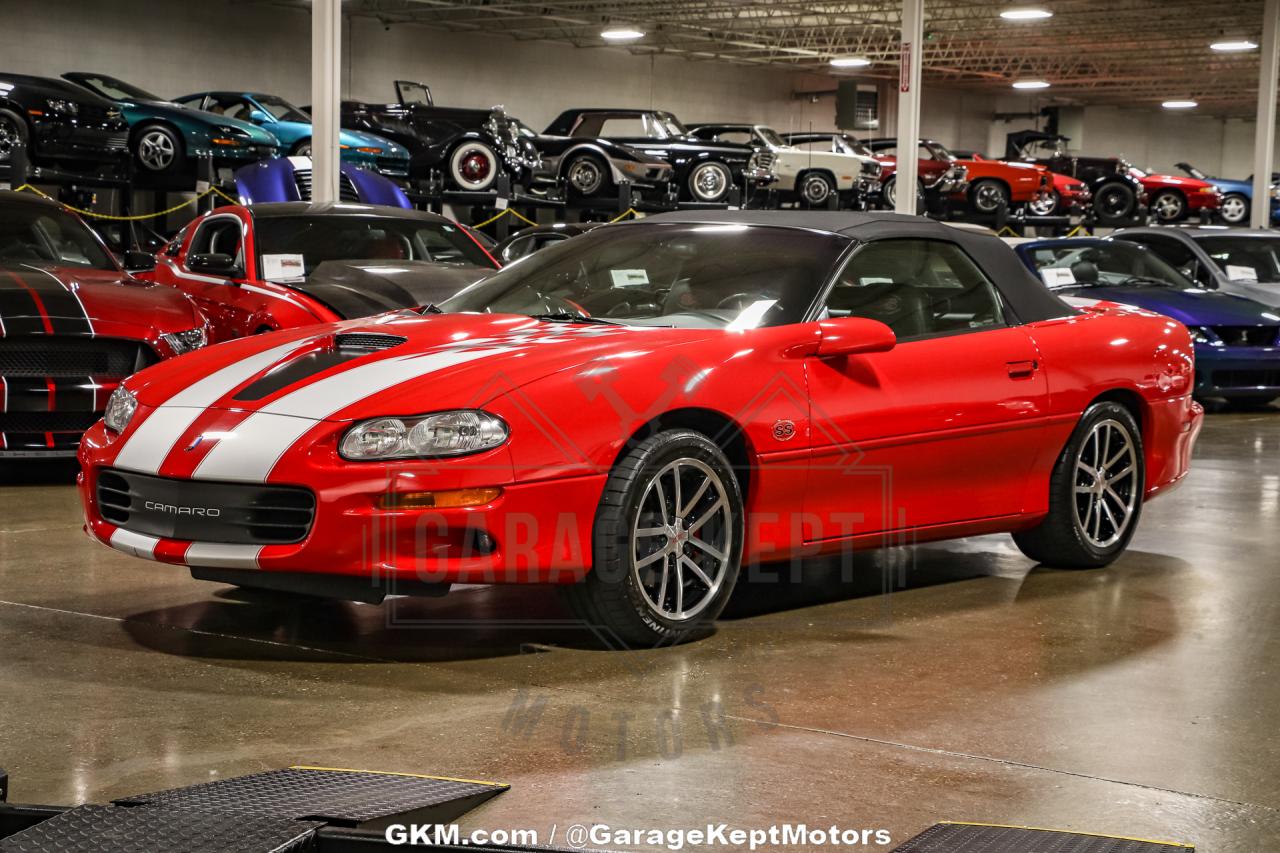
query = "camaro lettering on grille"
x=174 y=509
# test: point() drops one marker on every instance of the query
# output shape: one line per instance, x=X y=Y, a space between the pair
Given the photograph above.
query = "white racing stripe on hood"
x=150 y=443
x=136 y=544
x=252 y=449
x=217 y=555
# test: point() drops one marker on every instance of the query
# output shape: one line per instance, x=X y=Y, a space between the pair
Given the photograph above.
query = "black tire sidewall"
x=20 y=125
x=816 y=176
x=709 y=164
x=604 y=175
x=1130 y=209
x=1064 y=478
x=1182 y=205
x=973 y=194
x=179 y=152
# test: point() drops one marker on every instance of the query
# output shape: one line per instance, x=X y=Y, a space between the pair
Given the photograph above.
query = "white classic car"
x=806 y=174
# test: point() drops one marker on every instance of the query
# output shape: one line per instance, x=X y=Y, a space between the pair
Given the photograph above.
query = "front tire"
x=302 y=149
x=1044 y=205
x=815 y=189
x=13 y=133
x=710 y=182
x=1115 y=204
x=474 y=166
x=1169 y=206
x=987 y=196
x=1235 y=209
x=666 y=543
x=1095 y=493
x=585 y=176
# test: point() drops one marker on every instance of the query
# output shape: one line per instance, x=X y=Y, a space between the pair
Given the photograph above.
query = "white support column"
x=326 y=66
x=1264 y=139
x=907 y=168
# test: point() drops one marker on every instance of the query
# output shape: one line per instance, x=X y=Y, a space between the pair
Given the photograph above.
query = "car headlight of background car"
x=440 y=434
x=1204 y=335
x=120 y=408
x=62 y=106
x=181 y=342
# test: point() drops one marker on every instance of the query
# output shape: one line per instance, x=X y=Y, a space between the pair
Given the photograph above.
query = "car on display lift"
x=1173 y=199
x=469 y=148
x=289 y=179
x=1064 y=196
x=810 y=177
x=1237 y=340
x=669 y=396
x=167 y=138
x=593 y=168
x=292 y=128
x=1237 y=196
x=274 y=266
x=73 y=324
x=1118 y=197
x=61 y=126
x=1231 y=260
x=703 y=171
x=940 y=177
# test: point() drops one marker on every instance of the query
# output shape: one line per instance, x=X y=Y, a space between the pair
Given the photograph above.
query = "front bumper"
x=1232 y=372
x=533 y=532
x=55 y=139
x=1204 y=201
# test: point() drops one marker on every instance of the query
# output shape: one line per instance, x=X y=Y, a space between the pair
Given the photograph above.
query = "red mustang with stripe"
x=636 y=413
x=275 y=266
x=72 y=325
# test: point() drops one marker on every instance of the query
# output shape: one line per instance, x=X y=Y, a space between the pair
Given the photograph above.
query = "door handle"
x=1022 y=369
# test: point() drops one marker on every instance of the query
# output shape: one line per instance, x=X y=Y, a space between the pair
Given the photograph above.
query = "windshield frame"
x=131 y=92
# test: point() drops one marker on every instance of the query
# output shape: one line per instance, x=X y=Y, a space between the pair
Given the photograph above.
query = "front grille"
x=62 y=358
x=871 y=169
x=764 y=159
x=1246 y=378
x=1247 y=336
x=76 y=422
x=232 y=513
x=346 y=189
x=367 y=341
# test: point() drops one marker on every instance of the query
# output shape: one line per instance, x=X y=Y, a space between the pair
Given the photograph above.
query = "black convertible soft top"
x=1025 y=294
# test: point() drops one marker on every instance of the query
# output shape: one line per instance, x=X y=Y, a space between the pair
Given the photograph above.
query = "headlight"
x=441 y=434
x=62 y=106
x=1202 y=335
x=120 y=408
x=181 y=342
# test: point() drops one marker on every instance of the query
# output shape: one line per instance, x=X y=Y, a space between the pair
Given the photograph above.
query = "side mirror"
x=213 y=264
x=139 y=262
x=259 y=117
x=854 y=336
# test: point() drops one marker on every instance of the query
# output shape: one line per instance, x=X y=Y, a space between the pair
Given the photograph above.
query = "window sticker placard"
x=283 y=267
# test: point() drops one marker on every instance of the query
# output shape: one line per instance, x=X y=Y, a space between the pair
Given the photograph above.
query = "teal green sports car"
x=292 y=127
x=166 y=138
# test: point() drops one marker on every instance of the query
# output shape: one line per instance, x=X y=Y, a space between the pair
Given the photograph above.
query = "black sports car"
x=704 y=171
x=593 y=168
x=61 y=125
x=471 y=147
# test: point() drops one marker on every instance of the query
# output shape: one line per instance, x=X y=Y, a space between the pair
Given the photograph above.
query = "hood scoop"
x=346 y=347
x=367 y=341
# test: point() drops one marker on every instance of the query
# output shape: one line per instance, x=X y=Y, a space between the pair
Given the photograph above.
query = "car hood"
x=1189 y=307
x=360 y=139
x=77 y=300
x=1229 y=186
x=445 y=361
x=1174 y=181
x=363 y=288
x=178 y=113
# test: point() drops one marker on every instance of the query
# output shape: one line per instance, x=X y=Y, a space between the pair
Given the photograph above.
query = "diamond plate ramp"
x=109 y=829
x=993 y=838
x=357 y=798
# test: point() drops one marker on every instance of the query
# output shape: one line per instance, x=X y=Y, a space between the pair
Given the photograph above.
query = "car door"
x=943 y=428
x=223 y=299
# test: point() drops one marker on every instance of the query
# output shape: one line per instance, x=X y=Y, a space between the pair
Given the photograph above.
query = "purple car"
x=289 y=179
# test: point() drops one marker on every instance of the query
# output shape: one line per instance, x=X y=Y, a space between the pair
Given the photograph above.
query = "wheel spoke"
x=679 y=590
x=651 y=531
x=696 y=569
x=698 y=543
x=651 y=559
x=706 y=516
x=697 y=496
x=676 y=502
x=662 y=500
x=1120 y=475
x=662 y=587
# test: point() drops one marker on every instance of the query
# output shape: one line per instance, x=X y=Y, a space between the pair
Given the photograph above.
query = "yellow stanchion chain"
x=511 y=211
x=630 y=211
x=136 y=218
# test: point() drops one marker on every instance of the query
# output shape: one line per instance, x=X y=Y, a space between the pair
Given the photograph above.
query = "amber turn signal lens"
x=439 y=500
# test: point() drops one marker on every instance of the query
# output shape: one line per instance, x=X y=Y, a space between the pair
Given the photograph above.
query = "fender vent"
x=367 y=341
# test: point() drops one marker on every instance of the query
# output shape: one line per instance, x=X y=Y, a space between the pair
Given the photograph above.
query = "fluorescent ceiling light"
x=622 y=34
x=1179 y=105
x=850 y=62
x=1031 y=84
x=1233 y=45
x=1026 y=14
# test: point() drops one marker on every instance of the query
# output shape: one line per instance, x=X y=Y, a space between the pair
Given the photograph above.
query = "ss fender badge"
x=784 y=430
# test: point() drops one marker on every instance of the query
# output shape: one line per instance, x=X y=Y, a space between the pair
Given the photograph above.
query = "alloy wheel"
x=1106 y=483
x=1234 y=209
x=9 y=138
x=585 y=176
x=816 y=190
x=682 y=539
x=156 y=150
x=1168 y=207
x=988 y=197
x=1044 y=205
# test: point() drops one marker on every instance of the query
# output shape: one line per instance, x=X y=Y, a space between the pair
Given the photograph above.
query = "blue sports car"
x=1237 y=196
x=289 y=179
x=1237 y=340
x=292 y=126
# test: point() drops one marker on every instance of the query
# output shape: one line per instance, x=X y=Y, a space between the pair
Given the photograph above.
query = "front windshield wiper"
x=571 y=317
x=1143 y=281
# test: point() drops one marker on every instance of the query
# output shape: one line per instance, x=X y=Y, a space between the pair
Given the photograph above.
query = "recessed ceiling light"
x=1026 y=14
x=622 y=34
x=1031 y=84
x=1233 y=45
x=850 y=62
x=1179 y=105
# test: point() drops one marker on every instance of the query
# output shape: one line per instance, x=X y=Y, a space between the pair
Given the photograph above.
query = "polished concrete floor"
x=1143 y=700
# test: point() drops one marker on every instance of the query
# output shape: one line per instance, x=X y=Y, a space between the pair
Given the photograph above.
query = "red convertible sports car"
x=638 y=412
x=274 y=266
x=72 y=325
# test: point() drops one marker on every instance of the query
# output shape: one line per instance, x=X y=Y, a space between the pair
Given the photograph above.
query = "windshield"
x=117 y=90
x=708 y=276
x=849 y=145
x=770 y=137
x=363 y=238
x=34 y=234
x=1103 y=264
x=1246 y=259
x=413 y=93
x=280 y=109
x=669 y=126
x=1193 y=172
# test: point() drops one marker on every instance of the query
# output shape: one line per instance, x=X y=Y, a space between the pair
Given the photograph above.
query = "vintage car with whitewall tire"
x=702 y=171
x=60 y=125
x=593 y=168
x=469 y=148
x=808 y=177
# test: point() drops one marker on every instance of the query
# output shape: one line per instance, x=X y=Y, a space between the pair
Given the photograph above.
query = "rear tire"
x=1045 y=205
x=986 y=196
x=710 y=182
x=1095 y=493
x=474 y=166
x=302 y=149
x=815 y=189
x=585 y=176
x=13 y=132
x=1115 y=203
x=158 y=150
x=1169 y=206
x=666 y=543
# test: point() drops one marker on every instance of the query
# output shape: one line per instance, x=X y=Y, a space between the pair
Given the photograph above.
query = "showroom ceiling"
x=1124 y=51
